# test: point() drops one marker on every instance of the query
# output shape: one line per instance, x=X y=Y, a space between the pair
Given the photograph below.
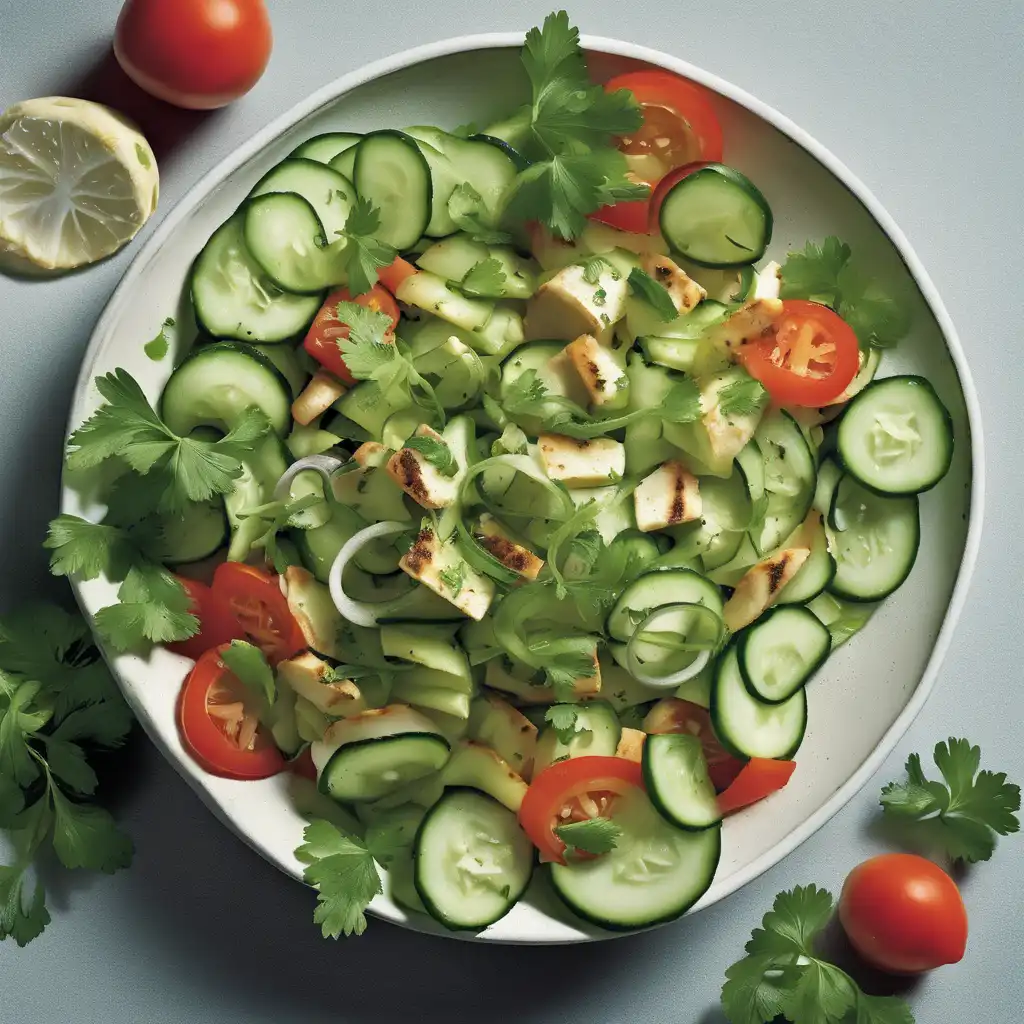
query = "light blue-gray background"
x=923 y=100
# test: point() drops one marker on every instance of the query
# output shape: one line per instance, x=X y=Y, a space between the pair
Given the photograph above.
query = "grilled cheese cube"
x=567 y=306
x=760 y=587
x=423 y=482
x=769 y=282
x=509 y=552
x=747 y=324
x=667 y=497
x=684 y=292
x=307 y=676
x=317 y=397
x=727 y=435
x=602 y=376
x=439 y=567
x=631 y=745
x=582 y=463
x=369 y=453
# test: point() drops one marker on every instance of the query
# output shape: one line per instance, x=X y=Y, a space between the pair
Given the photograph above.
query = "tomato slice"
x=675 y=715
x=219 y=728
x=217 y=622
x=325 y=332
x=758 y=778
x=256 y=601
x=808 y=359
x=573 y=790
x=679 y=127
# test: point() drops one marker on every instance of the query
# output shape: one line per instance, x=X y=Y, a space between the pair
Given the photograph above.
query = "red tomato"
x=758 y=778
x=903 y=914
x=217 y=623
x=573 y=790
x=256 y=600
x=392 y=276
x=808 y=359
x=674 y=715
x=679 y=127
x=198 y=54
x=325 y=332
x=219 y=729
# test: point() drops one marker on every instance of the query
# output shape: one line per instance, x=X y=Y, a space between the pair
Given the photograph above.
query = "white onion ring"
x=324 y=465
x=362 y=613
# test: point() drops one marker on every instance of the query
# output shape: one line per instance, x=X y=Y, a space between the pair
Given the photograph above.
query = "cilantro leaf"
x=435 y=451
x=565 y=660
x=596 y=836
x=152 y=606
x=743 y=397
x=67 y=762
x=812 y=273
x=594 y=266
x=584 y=549
x=85 y=836
x=342 y=870
x=249 y=665
x=564 y=719
x=486 y=279
x=643 y=286
x=469 y=214
x=89 y=549
x=23 y=913
x=964 y=815
x=453 y=578
x=364 y=255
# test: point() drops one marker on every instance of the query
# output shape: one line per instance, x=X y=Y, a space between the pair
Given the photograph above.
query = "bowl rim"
x=454 y=45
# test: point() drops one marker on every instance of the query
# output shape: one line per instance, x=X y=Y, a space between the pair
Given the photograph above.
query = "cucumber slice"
x=329 y=193
x=472 y=860
x=194 y=534
x=234 y=299
x=597 y=734
x=215 y=386
x=655 y=589
x=324 y=148
x=392 y=174
x=896 y=437
x=780 y=652
x=789 y=479
x=815 y=574
x=717 y=217
x=747 y=726
x=676 y=778
x=655 y=873
x=371 y=768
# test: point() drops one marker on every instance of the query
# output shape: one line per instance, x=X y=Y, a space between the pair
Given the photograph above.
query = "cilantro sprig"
x=594 y=836
x=435 y=451
x=58 y=704
x=564 y=719
x=961 y=815
x=644 y=287
x=470 y=215
x=743 y=397
x=364 y=255
x=783 y=975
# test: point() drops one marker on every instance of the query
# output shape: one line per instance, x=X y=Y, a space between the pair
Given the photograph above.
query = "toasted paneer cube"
x=631 y=745
x=419 y=478
x=582 y=463
x=311 y=678
x=760 y=587
x=684 y=292
x=441 y=567
x=596 y=366
x=317 y=397
x=513 y=555
x=769 y=282
x=747 y=324
x=567 y=305
x=727 y=435
x=369 y=453
x=667 y=497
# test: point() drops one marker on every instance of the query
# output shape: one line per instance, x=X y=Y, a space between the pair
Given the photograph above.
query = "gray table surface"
x=923 y=100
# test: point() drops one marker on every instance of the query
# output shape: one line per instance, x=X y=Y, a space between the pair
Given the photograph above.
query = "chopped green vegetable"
x=742 y=397
x=643 y=286
x=486 y=279
x=596 y=836
x=454 y=578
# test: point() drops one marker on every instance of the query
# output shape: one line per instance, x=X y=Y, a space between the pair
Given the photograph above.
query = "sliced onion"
x=364 y=613
x=470 y=494
x=643 y=674
x=325 y=465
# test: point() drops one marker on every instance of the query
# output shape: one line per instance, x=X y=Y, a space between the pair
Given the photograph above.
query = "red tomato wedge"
x=679 y=127
x=809 y=358
x=256 y=601
x=217 y=623
x=674 y=715
x=758 y=778
x=392 y=276
x=573 y=790
x=219 y=728
x=326 y=331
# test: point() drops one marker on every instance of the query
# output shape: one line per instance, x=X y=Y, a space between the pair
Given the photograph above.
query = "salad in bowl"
x=511 y=498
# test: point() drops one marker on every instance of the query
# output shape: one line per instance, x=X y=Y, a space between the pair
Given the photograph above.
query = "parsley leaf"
x=342 y=870
x=486 y=279
x=453 y=578
x=743 y=397
x=964 y=815
x=364 y=255
x=643 y=286
x=565 y=660
x=23 y=913
x=470 y=215
x=783 y=976
x=596 y=836
x=564 y=719
x=435 y=451
x=594 y=266
x=249 y=665
x=825 y=273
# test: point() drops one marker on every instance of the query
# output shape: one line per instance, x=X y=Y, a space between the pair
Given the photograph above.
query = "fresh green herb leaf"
x=596 y=836
x=23 y=913
x=342 y=870
x=364 y=255
x=595 y=266
x=486 y=279
x=782 y=975
x=585 y=549
x=435 y=451
x=249 y=665
x=512 y=442
x=565 y=720
x=644 y=287
x=156 y=349
x=469 y=214
x=454 y=578
x=743 y=397
x=523 y=396
x=389 y=837
x=964 y=814
x=565 y=659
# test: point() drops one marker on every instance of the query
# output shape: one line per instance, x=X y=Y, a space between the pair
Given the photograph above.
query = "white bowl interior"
x=864 y=697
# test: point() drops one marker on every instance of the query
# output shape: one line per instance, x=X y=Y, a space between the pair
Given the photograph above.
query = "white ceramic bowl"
x=867 y=694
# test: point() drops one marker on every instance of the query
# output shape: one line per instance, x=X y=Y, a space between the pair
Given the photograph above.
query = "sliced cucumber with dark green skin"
x=215 y=386
x=393 y=175
x=874 y=541
x=789 y=479
x=372 y=768
x=234 y=299
x=655 y=873
x=676 y=778
x=517 y=158
x=656 y=589
x=329 y=193
x=815 y=574
x=780 y=651
x=472 y=861
x=896 y=437
x=324 y=148
x=197 y=532
x=717 y=217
